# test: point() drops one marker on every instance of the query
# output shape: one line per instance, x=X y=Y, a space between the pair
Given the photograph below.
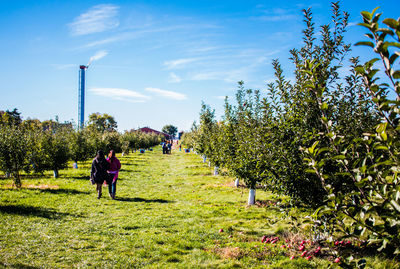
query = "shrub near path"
x=168 y=214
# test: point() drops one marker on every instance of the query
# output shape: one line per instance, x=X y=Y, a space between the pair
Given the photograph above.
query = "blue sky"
x=154 y=61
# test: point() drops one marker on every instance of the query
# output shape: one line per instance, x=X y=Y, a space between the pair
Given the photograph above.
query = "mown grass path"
x=167 y=214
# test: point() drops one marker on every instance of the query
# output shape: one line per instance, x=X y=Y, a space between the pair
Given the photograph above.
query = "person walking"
x=115 y=166
x=99 y=174
x=169 y=147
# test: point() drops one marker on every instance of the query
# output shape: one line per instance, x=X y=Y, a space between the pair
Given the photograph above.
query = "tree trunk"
x=55 y=172
x=252 y=197
x=17 y=180
x=215 y=170
x=237 y=182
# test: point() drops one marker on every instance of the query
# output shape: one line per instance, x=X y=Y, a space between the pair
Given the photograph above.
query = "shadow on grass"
x=64 y=191
x=129 y=164
x=33 y=211
x=18 y=265
x=137 y=199
x=47 y=190
x=78 y=177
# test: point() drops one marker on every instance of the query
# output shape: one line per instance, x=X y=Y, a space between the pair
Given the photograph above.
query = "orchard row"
x=328 y=141
x=31 y=146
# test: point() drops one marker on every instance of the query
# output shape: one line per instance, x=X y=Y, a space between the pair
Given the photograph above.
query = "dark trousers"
x=112 y=188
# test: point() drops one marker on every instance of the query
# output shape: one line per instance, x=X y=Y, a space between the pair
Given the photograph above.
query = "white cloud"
x=167 y=94
x=120 y=94
x=179 y=63
x=97 y=56
x=277 y=14
x=276 y=18
x=173 y=78
x=351 y=24
x=130 y=35
x=64 y=66
x=229 y=76
x=98 y=19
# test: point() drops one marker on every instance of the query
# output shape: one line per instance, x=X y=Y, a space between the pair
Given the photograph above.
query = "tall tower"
x=81 y=106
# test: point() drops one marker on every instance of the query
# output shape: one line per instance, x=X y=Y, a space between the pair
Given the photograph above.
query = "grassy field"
x=168 y=213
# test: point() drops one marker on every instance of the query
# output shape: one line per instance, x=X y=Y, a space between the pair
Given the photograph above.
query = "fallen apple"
x=337 y=260
x=221 y=230
x=302 y=247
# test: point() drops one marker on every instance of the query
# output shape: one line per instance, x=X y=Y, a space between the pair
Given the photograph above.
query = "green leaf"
x=392 y=23
x=396 y=74
x=366 y=15
x=324 y=106
x=384 y=136
x=365 y=43
x=393 y=44
x=371 y=62
x=386 y=31
x=339 y=157
x=359 y=69
x=361 y=263
x=393 y=58
x=373 y=11
x=395 y=205
x=381 y=127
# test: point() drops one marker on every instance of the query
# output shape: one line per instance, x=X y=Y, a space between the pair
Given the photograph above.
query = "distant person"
x=169 y=146
x=164 y=147
x=99 y=173
x=115 y=166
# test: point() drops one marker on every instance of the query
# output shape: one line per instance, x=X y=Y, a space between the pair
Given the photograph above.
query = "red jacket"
x=115 y=165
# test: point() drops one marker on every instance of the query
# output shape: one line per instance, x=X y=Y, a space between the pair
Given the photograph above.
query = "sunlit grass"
x=167 y=214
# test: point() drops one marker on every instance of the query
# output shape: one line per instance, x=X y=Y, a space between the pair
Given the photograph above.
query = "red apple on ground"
x=337 y=260
x=221 y=230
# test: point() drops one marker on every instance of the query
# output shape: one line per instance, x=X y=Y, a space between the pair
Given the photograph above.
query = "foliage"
x=189 y=138
x=170 y=129
x=13 y=151
x=79 y=145
x=368 y=163
x=55 y=146
x=102 y=122
x=260 y=138
x=10 y=117
x=111 y=140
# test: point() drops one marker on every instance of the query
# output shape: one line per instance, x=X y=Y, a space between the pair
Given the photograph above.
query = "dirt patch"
x=229 y=252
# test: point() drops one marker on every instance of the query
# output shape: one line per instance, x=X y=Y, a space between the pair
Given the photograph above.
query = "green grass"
x=167 y=214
